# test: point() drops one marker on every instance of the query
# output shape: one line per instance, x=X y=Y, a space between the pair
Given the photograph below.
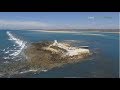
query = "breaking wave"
x=18 y=46
x=32 y=70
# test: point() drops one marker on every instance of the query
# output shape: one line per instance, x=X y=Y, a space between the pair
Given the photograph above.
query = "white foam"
x=44 y=70
x=6 y=57
x=14 y=45
x=3 y=50
x=6 y=62
x=20 y=44
x=31 y=70
x=24 y=72
x=7 y=51
x=1 y=75
x=7 y=47
x=13 y=38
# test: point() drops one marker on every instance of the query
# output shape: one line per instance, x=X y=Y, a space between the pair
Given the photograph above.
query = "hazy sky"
x=49 y=20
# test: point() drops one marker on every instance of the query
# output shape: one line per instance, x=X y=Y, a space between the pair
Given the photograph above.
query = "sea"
x=104 y=63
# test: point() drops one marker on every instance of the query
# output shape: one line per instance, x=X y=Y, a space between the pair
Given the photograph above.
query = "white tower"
x=55 y=43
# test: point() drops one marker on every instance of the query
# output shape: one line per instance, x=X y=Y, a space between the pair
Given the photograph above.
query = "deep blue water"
x=105 y=63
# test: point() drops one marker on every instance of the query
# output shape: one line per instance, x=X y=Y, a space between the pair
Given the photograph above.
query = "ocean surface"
x=104 y=63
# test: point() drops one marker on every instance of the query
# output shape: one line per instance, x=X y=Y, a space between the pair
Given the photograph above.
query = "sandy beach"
x=62 y=31
x=55 y=31
x=111 y=32
x=70 y=31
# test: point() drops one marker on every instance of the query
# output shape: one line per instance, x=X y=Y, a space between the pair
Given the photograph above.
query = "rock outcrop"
x=48 y=55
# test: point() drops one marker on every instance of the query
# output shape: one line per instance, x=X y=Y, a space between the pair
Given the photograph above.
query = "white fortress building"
x=71 y=51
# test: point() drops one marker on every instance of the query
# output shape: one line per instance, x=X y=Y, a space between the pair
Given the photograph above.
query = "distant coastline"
x=79 y=30
x=73 y=30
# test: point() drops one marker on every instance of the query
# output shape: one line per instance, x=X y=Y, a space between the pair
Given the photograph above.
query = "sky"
x=59 y=20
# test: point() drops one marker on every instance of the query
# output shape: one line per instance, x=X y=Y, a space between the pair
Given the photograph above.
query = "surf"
x=18 y=45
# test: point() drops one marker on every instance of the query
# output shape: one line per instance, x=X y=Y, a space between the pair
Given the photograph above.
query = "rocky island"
x=47 y=55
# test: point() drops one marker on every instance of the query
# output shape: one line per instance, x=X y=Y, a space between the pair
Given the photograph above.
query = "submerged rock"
x=48 y=55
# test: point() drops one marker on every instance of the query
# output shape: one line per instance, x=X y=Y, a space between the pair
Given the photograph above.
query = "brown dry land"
x=39 y=58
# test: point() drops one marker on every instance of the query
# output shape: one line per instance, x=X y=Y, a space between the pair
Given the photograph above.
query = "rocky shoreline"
x=47 y=55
